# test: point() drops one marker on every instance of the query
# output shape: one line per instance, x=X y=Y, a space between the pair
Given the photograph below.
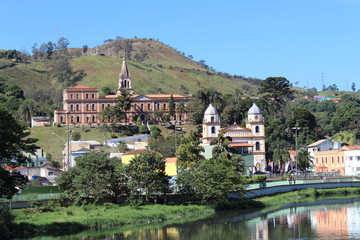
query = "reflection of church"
x=249 y=141
x=82 y=105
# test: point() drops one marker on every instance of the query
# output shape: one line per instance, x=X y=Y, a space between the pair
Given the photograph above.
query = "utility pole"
x=296 y=148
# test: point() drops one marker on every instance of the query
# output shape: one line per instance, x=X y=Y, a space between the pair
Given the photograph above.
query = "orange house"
x=333 y=160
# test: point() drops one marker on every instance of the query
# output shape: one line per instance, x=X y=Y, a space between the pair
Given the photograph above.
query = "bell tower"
x=211 y=124
x=124 y=79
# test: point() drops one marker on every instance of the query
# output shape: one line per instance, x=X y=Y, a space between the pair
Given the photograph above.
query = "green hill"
x=154 y=67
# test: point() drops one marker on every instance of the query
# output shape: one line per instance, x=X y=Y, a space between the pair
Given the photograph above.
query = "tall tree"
x=12 y=138
x=95 y=175
x=189 y=151
x=146 y=173
x=171 y=106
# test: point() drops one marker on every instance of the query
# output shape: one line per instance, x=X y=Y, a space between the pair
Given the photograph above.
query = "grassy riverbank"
x=304 y=195
x=59 y=220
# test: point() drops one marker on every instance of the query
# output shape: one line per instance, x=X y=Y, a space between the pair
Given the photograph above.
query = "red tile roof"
x=79 y=87
x=170 y=160
x=137 y=151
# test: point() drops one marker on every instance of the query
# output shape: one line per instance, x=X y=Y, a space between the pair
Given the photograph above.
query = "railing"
x=31 y=197
x=302 y=181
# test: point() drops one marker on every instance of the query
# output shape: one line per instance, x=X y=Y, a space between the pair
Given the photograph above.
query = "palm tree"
x=304 y=159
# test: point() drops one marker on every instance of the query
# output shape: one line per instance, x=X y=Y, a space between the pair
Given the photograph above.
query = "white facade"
x=352 y=162
x=250 y=139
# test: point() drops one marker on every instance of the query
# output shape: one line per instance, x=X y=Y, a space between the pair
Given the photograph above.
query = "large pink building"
x=82 y=105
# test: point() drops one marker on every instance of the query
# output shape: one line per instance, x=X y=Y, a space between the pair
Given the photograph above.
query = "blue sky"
x=301 y=40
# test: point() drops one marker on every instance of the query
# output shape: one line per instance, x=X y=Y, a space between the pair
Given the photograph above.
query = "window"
x=213 y=130
x=164 y=106
x=158 y=106
x=87 y=96
x=87 y=119
x=257 y=146
x=180 y=117
x=350 y=158
x=71 y=107
x=257 y=129
x=102 y=106
x=108 y=104
x=62 y=119
x=174 y=117
x=358 y=158
x=332 y=159
x=71 y=96
x=149 y=106
x=92 y=96
x=87 y=107
x=212 y=119
x=78 y=119
x=135 y=106
x=72 y=119
x=77 y=107
x=77 y=96
x=142 y=106
x=50 y=173
x=93 y=118
x=93 y=107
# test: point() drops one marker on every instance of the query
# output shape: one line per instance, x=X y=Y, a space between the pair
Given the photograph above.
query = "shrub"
x=259 y=178
x=6 y=219
x=143 y=129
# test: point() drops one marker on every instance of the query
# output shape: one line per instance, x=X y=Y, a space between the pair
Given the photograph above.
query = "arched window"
x=71 y=96
x=158 y=106
x=257 y=129
x=257 y=146
x=164 y=106
x=87 y=119
x=93 y=107
x=77 y=107
x=135 y=106
x=102 y=106
x=71 y=107
x=93 y=118
x=180 y=117
x=62 y=119
x=77 y=96
x=149 y=106
x=78 y=119
x=72 y=119
x=174 y=117
x=87 y=96
x=142 y=106
x=108 y=104
x=213 y=130
x=87 y=107
x=212 y=119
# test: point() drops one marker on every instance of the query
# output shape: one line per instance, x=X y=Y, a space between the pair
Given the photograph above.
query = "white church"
x=249 y=140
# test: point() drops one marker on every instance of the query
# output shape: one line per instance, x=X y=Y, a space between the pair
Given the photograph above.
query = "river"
x=328 y=219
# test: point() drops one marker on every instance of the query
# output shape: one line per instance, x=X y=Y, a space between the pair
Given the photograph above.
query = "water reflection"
x=325 y=221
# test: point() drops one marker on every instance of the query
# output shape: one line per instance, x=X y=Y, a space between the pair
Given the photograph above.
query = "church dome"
x=211 y=110
x=254 y=109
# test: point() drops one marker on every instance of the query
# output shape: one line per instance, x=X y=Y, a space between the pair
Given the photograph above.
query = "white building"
x=352 y=160
x=248 y=140
x=323 y=145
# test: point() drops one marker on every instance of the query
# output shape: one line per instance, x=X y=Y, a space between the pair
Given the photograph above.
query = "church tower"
x=211 y=124
x=255 y=122
x=124 y=79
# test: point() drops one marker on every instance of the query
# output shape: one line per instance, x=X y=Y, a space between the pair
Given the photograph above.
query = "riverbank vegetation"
x=73 y=219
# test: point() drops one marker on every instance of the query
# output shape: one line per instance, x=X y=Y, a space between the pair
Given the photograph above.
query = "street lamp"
x=296 y=146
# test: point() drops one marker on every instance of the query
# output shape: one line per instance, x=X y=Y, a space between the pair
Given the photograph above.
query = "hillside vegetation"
x=154 y=67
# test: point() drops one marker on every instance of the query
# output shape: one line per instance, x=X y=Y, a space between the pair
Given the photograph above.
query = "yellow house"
x=170 y=163
x=332 y=160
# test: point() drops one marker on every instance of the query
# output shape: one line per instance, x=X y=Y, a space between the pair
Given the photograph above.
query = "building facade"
x=83 y=106
x=249 y=140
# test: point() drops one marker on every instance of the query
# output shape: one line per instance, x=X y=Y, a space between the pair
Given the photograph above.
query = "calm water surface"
x=327 y=220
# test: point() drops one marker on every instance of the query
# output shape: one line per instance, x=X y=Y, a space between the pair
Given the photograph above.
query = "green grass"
x=75 y=218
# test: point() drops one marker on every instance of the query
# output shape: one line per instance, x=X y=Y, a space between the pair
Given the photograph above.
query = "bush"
x=76 y=136
x=143 y=129
x=6 y=219
x=114 y=135
x=259 y=178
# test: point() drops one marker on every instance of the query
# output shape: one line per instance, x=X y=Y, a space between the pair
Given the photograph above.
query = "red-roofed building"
x=82 y=105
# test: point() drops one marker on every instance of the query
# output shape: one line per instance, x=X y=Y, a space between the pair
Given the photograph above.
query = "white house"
x=323 y=145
